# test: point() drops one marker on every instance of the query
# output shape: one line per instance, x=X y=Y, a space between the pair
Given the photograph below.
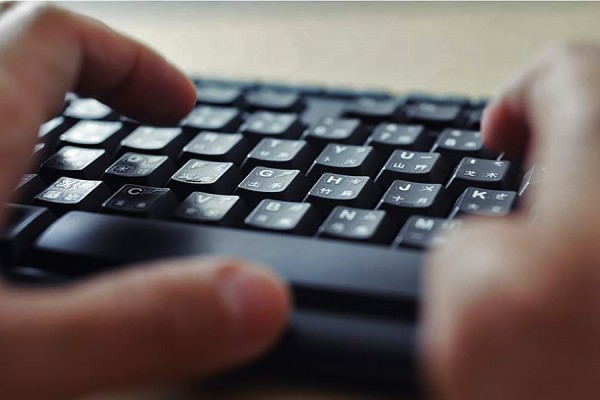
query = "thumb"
x=171 y=321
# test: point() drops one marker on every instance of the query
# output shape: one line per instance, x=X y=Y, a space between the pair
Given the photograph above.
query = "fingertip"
x=259 y=302
x=504 y=130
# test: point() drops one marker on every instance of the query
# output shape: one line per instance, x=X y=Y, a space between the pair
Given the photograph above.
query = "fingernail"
x=258 y=304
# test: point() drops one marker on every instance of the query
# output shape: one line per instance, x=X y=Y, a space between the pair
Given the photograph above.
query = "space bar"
x=322 y=273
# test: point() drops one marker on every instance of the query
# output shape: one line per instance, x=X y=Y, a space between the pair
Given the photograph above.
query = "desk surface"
x=462 y=48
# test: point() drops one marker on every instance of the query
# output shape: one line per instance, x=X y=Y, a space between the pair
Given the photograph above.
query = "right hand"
x=512 y=307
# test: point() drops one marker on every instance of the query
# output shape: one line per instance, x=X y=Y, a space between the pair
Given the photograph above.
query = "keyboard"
x=341 y=191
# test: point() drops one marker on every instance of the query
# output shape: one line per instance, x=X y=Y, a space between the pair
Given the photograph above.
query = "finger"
x=551 y=111
x=175 y=321
x=45 y=51
x=50 y=51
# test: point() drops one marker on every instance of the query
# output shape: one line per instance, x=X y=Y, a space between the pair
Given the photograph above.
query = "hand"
x=512 y=306
x=157 y=323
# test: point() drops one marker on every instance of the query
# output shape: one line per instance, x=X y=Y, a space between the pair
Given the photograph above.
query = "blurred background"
x=465 y=48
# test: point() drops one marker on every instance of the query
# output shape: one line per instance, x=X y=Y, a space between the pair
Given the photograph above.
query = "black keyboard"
x=340 y=191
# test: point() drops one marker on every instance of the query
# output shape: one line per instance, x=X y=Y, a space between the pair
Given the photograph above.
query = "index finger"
x=47 y=51
x=550 y=114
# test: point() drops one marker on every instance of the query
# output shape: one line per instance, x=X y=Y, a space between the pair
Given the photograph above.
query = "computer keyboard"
x=341 y=191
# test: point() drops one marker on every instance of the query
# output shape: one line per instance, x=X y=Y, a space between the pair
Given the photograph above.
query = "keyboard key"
x=95 y=134
x=388 y=137
x=89 y=109
x=413 y=166
x=328 y=271
x=359 y=225
x=454 y=144
x=433 y=115
x=28 y=187
x=141 y=201
x=213 y=209
x=404 y=199
x=139 y=169
x=214 y=146
x=372 y=110
x=75 y=162
x=345 y=159
x=273 y=183
x=485 y=202
x=263 y=124
x=349 y=191
x=422 y=232
x=204 y=176
x=219 y=95
x=485 y=174
x=338 y=130
x=69 y=194
x=22 y=226
x=274 y=100
x=153 y=140
x=211 y=118
x=284 y=217
x=279 y=153
x=443 y=100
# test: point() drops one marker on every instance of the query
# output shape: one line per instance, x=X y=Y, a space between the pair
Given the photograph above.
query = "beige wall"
x=448 y=47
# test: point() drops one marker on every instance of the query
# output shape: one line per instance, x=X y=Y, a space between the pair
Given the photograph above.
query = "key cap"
x=284 y=217
x=443 y=100
x=153 y=140
x=331 y=272
x=404 y=199
x=212 y=118
x=484 y=202
x=358 y=225
x=219 y=95
x=139 y=169
x=349 y=191
x=421 y=232
x=263 y=124
x=212 y=209
x=413 y=166
x=75 y=162
x=214 y=146
x=345 y=159
x=69 y=194
x=273 y=183
x=23 y=225
x=279 y=153
x=454 y=144
x=485 y=174
x=204 y=176
x=273 y=100
x=28 y=187
x=388 y=137
x=372 y=110
x=433 y=115
x=347 y=93
x=335 y=130
x=94 y=134
x=89 y=109
x=141 y=201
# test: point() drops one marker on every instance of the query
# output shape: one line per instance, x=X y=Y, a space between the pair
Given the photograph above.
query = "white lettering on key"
x=479 y=195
